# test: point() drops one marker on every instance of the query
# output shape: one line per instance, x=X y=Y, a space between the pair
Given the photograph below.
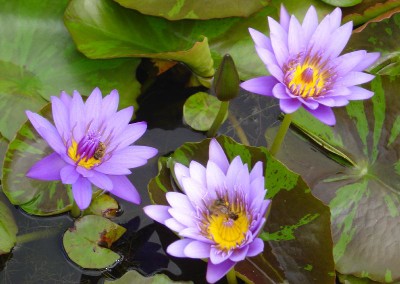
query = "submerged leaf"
x=297 y=235
x=134 y=277
x=88 y=243
x=8 y=229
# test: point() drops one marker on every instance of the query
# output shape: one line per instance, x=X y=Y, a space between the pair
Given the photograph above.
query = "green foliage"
x=133 y=277
x=8 y=229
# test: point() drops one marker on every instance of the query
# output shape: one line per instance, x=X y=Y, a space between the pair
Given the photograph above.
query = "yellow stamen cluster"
x=84 y=162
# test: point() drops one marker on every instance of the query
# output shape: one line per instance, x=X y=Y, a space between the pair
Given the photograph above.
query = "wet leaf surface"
x=295 y=216
x=364 y=195
x=192 y=9
x=8 y=229
x=88 y=243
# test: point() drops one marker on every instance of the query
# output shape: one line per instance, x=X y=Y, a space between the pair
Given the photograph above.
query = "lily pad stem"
x=37 y=235
x=276 y=145
x=231 y=276
x=75 y=210
x=238 y=129
x=219 y=119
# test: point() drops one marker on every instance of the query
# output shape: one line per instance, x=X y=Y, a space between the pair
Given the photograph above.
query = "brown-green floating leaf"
x=88 y=243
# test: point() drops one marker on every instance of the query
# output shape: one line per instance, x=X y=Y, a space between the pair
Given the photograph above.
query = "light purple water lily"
x=219 y=214
x=91 y=143
x=305 y=66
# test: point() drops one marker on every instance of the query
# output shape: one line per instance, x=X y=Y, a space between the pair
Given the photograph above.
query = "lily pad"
x=364 y=195
x=368 y=10
x=102 y=205
x=297 y=235
x=192 y=9
x=8 y=229
x=33 y=196
x=133 y=277
x=342 y=3
x=38 y=59
x=200 y=111
x=88 y=243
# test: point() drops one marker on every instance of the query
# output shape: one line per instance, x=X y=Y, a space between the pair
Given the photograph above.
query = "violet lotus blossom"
x=219 y=214
x=91 y=143
x=306 y=66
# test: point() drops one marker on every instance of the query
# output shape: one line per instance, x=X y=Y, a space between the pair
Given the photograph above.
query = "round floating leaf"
x=364 y=195
x=127 y=33
x=342 y=3
x=192 y=9
x=34 y=196
x=88 y=243
x=369 y=10
x=200 y=111
x=8 y=229
x=297 y=235
x=38 y=59
x=133 y=277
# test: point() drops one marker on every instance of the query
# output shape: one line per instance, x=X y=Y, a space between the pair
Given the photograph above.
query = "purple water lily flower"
x=219 y=214
x=305 y=66
x=91 y=143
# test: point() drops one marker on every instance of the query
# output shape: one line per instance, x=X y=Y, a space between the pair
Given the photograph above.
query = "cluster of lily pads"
x=276 y=215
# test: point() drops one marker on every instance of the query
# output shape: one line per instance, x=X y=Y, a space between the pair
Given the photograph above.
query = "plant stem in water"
x=37 y=235
x=75 y=210
x=238 y=129
x=218 y=120
x=231 y=276
x=276 y=145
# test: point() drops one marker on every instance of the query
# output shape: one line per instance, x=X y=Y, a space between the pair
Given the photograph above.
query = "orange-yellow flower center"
x=85 y=161
x=227 y=226
x=307 y=81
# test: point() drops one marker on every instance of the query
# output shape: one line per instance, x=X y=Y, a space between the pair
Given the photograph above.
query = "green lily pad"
x=104 y=29
x=33 y=196
x=133 y=277
x=88 y=242
x=38 y=59
x=368 y=10
x=342 y=3
x=102 y=205
x=192 y=9
x=200 y=111
x=297 y=235
x=8 y=229
x=364 y=193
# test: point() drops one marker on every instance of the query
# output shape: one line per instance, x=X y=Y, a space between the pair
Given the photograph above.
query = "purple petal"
x=84 y=171
x=215 y=178
x=290 y=105
x=355 y=78
x=194 y=190
x=158 y=213
x=295 y=37
x=257 y=192
x=234 y=168
x=322 y=36
x=131 y=133
x=177 y=248
x=239 y=254
x=216 y=271
x=101 y=181
x=341 y=36
x=348 y=61
x=257 y=171
x=217 y=256
x=197 y=249
x=130 y=157
x=76 y=116
x=368 y=60
x=358 y=93
x=335 y=19
x=278 y=41
x=309 y=102
x=93 y=106
x=194 y=233
x=279 y=92
x=66 y=99
x=217 y=155
x=118 y=122
x=47 y=168
x=256 y=247
x=60 y=117
x=69 y=175
x=333 y=101
x=324 y=114
x=198 y=172
x=261 y=85
x=82 y=192
x=109 y=104
x=112 y=167
x=124 y=189
x=268 y=57
x=185 y=218
x=284 y=18
x=181 y=171
x=310 y=23
x=179 y=200
x=260 y=39
x=47 y=131
x=174 y=225
x=242 y=181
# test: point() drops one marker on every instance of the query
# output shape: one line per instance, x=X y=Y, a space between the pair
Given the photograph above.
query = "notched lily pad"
x=33 y=196
x=8 y=229
x=88 y=242
x=364 y=196
x=133 y=277
x=193 y=9
x=200 y=111
x=297 y=234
